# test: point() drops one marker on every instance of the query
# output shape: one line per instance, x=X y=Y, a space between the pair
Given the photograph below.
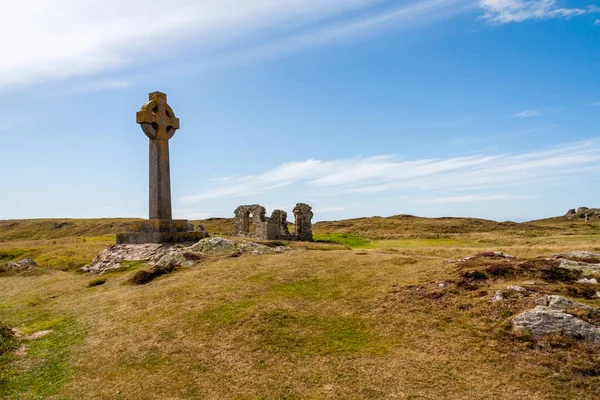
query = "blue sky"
x=360 y=107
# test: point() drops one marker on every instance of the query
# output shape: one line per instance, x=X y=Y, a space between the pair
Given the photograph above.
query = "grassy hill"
x=370 y=310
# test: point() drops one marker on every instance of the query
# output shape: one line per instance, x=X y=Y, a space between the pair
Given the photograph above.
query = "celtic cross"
x=159 y=123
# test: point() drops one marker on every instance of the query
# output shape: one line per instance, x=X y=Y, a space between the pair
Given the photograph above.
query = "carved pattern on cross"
x=157 y=118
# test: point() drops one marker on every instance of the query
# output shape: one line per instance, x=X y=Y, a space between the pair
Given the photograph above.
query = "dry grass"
x=362 y=320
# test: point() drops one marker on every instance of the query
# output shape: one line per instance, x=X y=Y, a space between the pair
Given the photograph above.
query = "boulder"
x=112 y=257
x=563 y=303
x=584 y=261
x=544 y=320
x=555 y=314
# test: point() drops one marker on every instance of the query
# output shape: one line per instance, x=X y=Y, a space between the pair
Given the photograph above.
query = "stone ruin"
x=251 y=221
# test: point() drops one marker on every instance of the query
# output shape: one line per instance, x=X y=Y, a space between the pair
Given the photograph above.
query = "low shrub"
x=475 y=275
x=500 y=270
x=96 y=282
x=7 y=340
x=557 y=274
x=586 y=292
x=142 y=277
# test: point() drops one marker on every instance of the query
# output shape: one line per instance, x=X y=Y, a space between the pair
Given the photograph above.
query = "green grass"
x=47 y=366
x=346 y=239
x=14 y=254
x=309 y=335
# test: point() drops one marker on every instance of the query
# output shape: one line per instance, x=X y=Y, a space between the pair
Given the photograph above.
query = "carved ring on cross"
x=157 y=118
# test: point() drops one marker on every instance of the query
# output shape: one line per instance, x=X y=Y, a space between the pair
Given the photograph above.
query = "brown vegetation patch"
x=7 y=341
x=144 y=276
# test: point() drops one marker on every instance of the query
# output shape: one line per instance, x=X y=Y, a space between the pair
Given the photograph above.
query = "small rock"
x=504 y=255
x=188 y=263
x=591 y=281
x=517 y=289
x=23 y=265
x=498 y=296
x=442 y=285
x=38 y=335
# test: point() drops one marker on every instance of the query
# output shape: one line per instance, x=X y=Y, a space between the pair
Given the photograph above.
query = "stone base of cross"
x=161 y=231
x=159 y=123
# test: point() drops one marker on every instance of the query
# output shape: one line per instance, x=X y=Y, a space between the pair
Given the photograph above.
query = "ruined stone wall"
x=274 y=227
x=303 y=220
x=254 y=213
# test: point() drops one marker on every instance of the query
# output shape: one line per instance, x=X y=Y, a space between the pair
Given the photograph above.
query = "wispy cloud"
x=371 y=175
x=595 y=104
x=505 y=11
x=597 y=22
x=528 y=113
x=66 y=38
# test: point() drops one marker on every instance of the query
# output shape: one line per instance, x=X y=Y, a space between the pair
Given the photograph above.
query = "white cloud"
x=371 y=175
x=52 y=39
x=505 y=11
x=597 y=22
x=596 y=104
x=528 y=113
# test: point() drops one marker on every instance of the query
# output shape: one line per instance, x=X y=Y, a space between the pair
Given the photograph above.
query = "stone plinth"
x=161 y=231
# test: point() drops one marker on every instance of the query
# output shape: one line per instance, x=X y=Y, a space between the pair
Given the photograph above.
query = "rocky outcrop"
x=582 y=212
x=585 y=261
x=164 y=255
x=560 y=315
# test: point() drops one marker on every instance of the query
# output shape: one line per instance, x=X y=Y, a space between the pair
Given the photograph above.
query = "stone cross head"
x=157 y=118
